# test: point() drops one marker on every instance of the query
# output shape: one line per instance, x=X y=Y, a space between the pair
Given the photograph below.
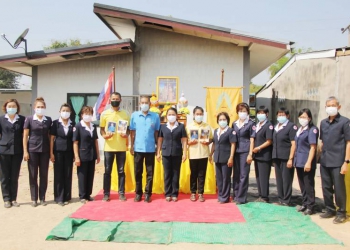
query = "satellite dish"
x=20 y=38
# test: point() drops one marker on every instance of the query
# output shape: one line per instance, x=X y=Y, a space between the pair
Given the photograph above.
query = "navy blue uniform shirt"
x=223 y=144
x=244 y=134
x=334 y=136
x=172 y=145
x=38 y=141
x=11 y=141
x=303 y=139
x=282 y=140
x=63 y=141
x=86 y=141
x=264 y=133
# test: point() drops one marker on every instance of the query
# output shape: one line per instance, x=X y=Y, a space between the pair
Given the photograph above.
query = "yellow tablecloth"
x=158 y=177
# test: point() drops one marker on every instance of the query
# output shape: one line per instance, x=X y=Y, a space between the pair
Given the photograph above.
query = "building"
x=306 y=81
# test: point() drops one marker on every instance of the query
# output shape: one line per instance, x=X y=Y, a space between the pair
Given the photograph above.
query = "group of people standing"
x=285 y=146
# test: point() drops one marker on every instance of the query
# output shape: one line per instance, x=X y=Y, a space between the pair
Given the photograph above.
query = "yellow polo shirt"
x=198 y=151
x=116 y=142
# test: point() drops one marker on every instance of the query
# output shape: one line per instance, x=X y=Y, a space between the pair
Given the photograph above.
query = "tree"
x=274 y=68
x=254 y=88
x=9 y=79
x=55 y=44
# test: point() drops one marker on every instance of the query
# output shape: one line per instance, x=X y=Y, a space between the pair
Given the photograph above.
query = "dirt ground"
x=27 y=227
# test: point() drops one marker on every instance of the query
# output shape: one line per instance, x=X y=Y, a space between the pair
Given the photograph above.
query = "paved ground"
x=26 y=227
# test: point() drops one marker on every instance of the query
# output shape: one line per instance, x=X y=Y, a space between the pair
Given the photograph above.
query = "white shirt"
x=65 y=127
x=90 y=129
x=14 y=120
x=278 y=127
x=241 y=125
x=301 y=130
x=36 y=118
x=176 y=124
x=260 y=125
x=220 y=132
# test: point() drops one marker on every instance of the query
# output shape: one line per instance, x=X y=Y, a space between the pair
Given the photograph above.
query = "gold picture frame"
x=167 y=89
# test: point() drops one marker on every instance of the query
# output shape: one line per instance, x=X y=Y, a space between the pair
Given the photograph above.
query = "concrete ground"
x=27 y=227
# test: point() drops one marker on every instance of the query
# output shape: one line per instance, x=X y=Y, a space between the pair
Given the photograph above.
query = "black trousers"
x=109 y=160
x=63 y=171
x=333 y=184
x=172 y=165
x=223 y=181
x=284 y=180
x=262 y=173
x=241 y=171
x=307 y=186
x=38 y=163
x=86 y=173
x=10 y=166
x=198 y=172
x=138 y=165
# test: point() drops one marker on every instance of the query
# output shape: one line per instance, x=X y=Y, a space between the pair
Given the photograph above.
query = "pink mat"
x=159 y=210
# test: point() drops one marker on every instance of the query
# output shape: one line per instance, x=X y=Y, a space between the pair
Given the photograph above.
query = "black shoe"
x=122 y=197
x=148 y=198
x=90 y=198
x=105 y=197
x=328 y=214
x=60 y=204
x=286 y=204
x=34 y=204
x=339 y=219
x=43 y=203
x=239 y=203
x=137 y=198
x=302 y=208
x=308 y=212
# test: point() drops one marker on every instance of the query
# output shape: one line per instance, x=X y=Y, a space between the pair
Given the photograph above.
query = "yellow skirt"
x=158 y=177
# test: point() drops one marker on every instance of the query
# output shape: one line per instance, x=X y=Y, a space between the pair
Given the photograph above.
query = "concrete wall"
x=24 y=98
x=54 y=81
x=197 y=62
x=307 y=84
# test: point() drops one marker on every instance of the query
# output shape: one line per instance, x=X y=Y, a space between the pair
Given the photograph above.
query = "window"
x=78 y=100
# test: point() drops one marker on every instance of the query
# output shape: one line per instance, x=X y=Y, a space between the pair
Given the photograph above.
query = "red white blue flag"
x=103 y=98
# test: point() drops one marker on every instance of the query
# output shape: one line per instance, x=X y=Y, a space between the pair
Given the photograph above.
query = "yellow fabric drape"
x=158 y=177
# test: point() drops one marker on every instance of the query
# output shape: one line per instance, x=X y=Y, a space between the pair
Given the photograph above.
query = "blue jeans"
x=109 y=159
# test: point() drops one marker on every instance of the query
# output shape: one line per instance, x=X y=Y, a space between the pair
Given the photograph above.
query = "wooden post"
x=114 y=90
x=222 y=77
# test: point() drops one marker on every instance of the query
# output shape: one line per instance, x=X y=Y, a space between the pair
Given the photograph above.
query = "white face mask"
x=303 y=121
x=144 y=107
x=198 y=118
x=223 y=123
x=242 y=115
x=261 y=117
x=65 y=114
x=171 y=118
x=87 y=118
x=331 y=111
x=40 y=111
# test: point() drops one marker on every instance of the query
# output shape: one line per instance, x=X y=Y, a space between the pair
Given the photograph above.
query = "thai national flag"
x=103 y=98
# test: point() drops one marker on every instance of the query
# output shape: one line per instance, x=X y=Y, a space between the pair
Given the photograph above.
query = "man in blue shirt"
x=144 y=127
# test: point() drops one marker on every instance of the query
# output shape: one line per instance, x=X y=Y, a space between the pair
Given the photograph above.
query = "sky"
x=312 y=24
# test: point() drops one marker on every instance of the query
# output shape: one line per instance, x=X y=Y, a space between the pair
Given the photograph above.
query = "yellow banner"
x=222 y=100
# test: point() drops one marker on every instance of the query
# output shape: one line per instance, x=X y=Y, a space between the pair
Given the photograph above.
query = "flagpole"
x=114 y=79
x=222 y=77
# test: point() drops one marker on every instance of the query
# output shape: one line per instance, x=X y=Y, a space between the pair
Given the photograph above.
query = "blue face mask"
x=223 y=124
x=282 y=119
x=11 y=111
x=261 y=117
x=144 y=107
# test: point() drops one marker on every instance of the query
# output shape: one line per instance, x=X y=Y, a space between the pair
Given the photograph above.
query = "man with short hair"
x=144 y=127
x=335 y=157
x=115 y=145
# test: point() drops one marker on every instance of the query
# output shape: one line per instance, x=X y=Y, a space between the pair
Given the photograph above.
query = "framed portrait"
x=111 y=127
x=122 y=127
x=167 y=89
x=204 y=135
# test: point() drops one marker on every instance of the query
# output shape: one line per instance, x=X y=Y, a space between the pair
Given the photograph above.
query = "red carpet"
x=159 y=210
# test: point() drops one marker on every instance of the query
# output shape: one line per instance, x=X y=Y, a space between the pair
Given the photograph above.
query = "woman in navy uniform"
x=11 y=151
x=223 y=148
x=61 y=154
x=86 y=152
x=172 y=141
x=263 y=153
x=305 y=159
x=36 y=145
x=244 y=128
x=283 y=154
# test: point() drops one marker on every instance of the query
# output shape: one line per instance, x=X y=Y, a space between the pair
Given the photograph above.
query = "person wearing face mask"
x=198 y=153
x=244 y=128
x=335 y=157
x=115 y=146
x=144 y=127
x=305 y=160
x=172 y=148
x=36 y=147
x=263 y=153
x=223 y=148
x=61 y=154
x=86 y=153
x=283 y=154
x=11 y=151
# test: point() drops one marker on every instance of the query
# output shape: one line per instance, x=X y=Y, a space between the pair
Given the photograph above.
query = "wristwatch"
x=347 y=161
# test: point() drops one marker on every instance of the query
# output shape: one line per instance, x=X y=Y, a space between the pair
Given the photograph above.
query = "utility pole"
x=347 y=29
